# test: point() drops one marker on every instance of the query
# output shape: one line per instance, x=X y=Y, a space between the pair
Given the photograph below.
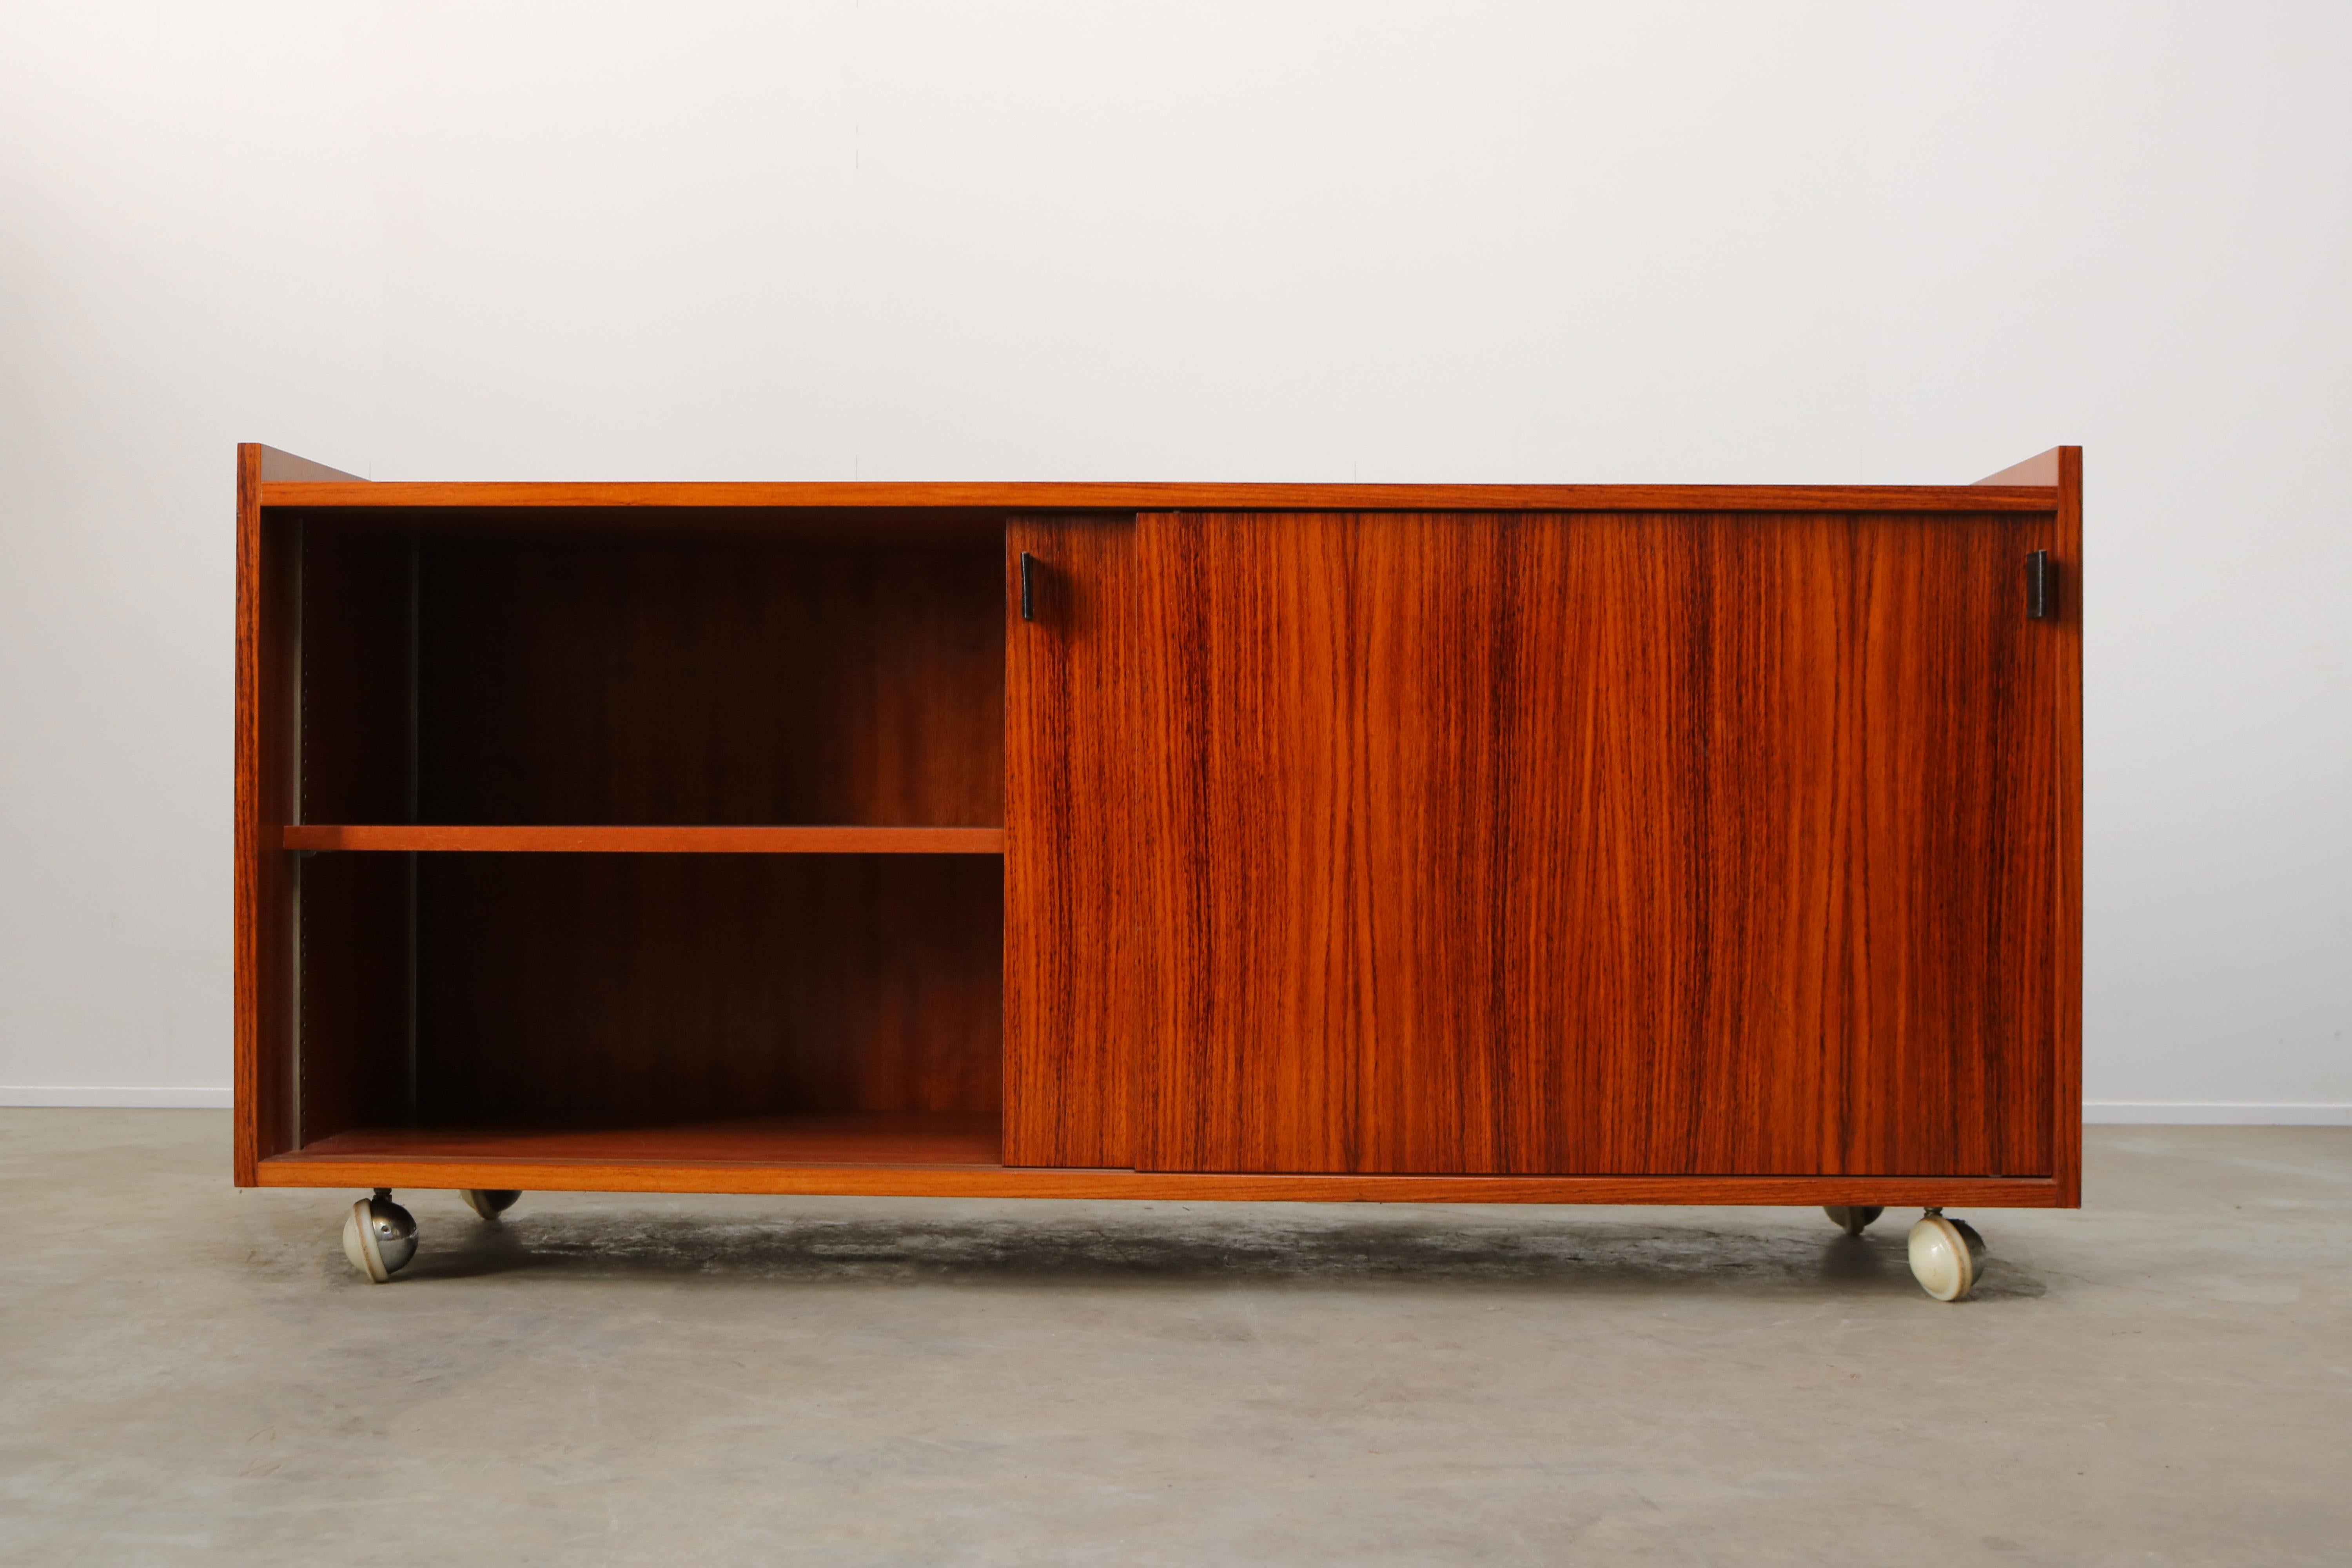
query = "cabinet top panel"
x=1006 y=498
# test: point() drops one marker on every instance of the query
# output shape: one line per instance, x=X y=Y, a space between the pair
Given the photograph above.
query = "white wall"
x=1826 y=241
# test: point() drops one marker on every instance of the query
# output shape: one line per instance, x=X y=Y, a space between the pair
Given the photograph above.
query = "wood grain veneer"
x=2042 y=469
x=269 y=623
x=274 y=466
x=1604 y=843
x=1077 y=973
x=563 y=1162
x=1008 y=499
x=442 y=838
x=2063 y=779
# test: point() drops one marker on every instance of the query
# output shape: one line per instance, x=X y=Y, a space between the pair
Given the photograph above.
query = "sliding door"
x=1607 y=843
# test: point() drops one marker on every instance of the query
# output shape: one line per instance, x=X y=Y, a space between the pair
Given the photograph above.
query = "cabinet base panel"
x=956 y=1156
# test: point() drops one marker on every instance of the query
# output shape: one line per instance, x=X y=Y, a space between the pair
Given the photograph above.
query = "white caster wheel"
x=379 y=1237
x=1947 y=1256
x=1853 y=1221
x=488 y=1201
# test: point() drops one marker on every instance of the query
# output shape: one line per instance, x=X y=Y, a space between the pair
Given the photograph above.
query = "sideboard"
x=1431 y=843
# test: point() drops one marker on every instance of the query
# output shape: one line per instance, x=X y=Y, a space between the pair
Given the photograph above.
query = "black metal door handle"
x=2041 y=587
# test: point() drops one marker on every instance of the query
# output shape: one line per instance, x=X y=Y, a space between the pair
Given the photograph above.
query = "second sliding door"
x=1604 y=843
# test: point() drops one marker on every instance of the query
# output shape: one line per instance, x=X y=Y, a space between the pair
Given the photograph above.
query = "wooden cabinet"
x=1554 y=843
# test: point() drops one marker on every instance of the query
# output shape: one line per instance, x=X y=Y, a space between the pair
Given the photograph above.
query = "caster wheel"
x=1947 y=1256
x=488 y=1201
x=1853 y=1221
x=379 y=1237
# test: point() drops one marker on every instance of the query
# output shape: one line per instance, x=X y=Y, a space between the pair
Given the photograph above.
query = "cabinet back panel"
x=603 y=990
x=354 y=636
x=710 y=682
x=1605 y=844
x=352 y=1014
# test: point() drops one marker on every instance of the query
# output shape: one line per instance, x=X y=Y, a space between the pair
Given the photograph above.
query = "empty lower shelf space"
x=854 y=1138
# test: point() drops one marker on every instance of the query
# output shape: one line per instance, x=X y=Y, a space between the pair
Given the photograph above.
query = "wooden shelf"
x=844 y=1138
x=436 y=838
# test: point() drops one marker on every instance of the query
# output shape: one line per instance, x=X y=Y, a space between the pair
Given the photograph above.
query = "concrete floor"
x=189 y=1374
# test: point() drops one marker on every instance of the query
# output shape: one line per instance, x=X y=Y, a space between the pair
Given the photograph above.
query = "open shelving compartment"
x=646 y=838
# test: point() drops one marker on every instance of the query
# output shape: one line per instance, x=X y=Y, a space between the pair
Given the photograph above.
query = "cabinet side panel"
x=1079 y=867
x=269 y=587
x=2065 y=956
